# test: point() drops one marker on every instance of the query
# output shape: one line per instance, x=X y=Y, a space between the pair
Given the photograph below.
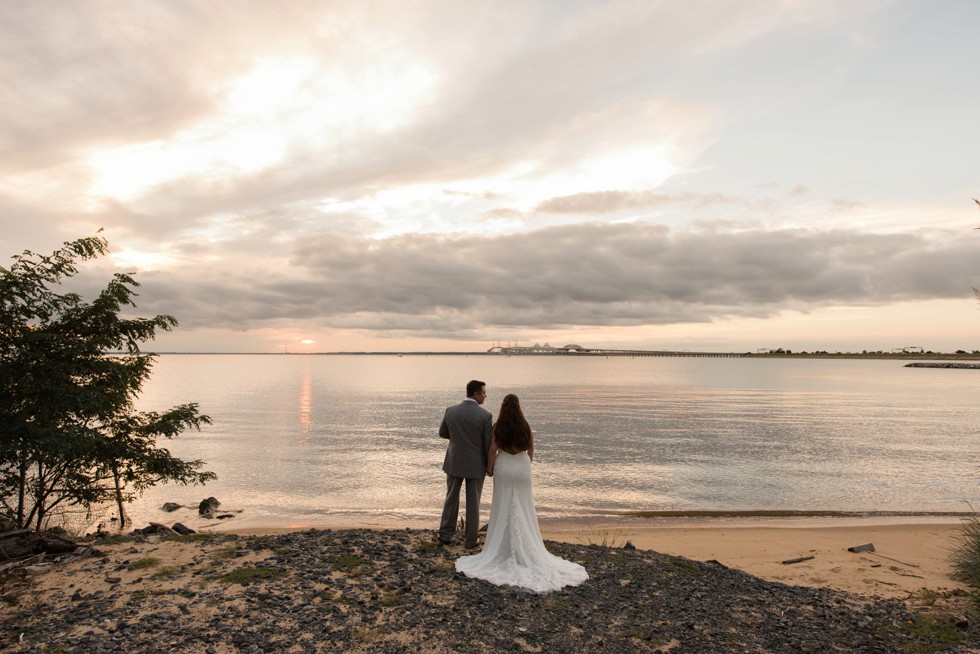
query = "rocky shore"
x=397 y=591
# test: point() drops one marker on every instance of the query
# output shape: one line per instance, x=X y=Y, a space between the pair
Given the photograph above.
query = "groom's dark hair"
x=473 y=387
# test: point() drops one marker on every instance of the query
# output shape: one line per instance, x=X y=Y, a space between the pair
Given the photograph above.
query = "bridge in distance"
x=578 y=350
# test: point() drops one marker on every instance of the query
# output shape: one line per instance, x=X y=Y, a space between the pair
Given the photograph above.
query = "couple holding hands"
x=513 y=552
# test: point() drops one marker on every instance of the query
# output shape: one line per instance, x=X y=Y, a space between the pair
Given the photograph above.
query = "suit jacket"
x=467 y=426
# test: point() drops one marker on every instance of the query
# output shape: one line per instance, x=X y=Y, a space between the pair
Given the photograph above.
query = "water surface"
x=306 y=440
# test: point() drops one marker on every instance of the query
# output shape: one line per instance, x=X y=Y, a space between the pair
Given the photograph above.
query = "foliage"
x=603 y=537
x=69 y=433
x=965 y=558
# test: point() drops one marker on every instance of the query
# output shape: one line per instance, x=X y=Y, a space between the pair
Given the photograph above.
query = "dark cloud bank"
x=587 y=274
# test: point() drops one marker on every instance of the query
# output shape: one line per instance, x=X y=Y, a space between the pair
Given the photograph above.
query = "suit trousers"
x=450 y=510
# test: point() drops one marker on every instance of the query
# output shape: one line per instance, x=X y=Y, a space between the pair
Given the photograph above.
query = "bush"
x=70 y=374
x=965 y=558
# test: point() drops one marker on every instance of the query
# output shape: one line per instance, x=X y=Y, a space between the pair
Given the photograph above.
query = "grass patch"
x=429 y=547
x=367 y=635
x=445 y=566
x=927 y=597
x=965 y=558
x=226 y=552
x=350 y=564
x=331 y=597
x=603 y=537
x=938 y=632
x=388 y=599
x=683 y=565
x=165 y=572
x=137 y=596
x=59 y=649
x=246 y=576
x=143 y=564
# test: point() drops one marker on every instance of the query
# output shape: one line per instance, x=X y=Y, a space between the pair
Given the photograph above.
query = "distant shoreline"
x=929 y=356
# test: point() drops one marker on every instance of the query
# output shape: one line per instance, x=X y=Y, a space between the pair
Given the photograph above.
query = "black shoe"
x=443 y=542
x=473 y=547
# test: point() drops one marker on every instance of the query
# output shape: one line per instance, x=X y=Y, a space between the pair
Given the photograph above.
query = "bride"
x=514 y=553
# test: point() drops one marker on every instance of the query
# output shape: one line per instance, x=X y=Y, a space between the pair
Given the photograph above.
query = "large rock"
x=208 y=507
x=22 y=543
x=170 y=507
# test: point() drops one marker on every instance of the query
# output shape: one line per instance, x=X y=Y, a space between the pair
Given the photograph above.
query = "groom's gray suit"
x=467 y=427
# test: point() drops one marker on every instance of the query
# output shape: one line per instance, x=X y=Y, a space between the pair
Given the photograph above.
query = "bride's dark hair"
x=511 y=429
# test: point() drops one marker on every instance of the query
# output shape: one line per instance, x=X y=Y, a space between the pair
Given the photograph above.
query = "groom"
x=467 y=426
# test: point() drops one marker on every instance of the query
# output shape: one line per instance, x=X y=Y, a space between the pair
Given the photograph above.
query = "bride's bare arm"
x=492 y=454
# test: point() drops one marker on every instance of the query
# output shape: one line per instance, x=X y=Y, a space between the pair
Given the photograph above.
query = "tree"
x=70 y=372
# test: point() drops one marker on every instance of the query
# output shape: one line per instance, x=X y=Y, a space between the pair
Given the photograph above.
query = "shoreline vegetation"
x=396 y=590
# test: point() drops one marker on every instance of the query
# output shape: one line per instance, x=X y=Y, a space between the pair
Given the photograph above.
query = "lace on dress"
x=514 y=553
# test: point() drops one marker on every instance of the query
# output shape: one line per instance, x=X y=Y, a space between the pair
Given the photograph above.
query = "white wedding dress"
x=513 y=552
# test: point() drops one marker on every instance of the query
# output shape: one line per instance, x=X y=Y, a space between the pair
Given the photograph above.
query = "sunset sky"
x=417 y=176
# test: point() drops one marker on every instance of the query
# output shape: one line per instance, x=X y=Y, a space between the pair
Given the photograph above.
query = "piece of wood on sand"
x=799 y=559
x=867 y=547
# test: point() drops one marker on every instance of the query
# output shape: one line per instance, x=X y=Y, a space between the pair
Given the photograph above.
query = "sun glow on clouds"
x=132 y=259
x=281 y=105
x=510 y=197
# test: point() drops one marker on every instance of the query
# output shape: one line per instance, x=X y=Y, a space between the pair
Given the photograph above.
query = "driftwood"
x=164 y=528
x=23 y=563
x=799 y=559
x=911 y=565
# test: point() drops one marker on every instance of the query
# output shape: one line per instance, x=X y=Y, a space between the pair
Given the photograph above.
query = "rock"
x=183 y=529
x=208 y=506
x=153 y=528
x=22 y=543
x=170 y=507
x=629 y=545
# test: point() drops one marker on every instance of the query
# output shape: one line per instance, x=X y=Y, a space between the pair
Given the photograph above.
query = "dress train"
x=513 y=552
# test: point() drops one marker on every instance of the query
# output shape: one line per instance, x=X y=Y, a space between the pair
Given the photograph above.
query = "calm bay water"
x=314 y=440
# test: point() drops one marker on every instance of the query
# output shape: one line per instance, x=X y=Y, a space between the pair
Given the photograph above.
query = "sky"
x=317 y=176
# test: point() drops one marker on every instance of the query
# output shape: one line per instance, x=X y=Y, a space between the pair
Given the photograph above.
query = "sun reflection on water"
x=306 y=405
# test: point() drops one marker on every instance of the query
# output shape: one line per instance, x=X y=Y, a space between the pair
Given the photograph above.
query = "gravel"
x=397 y=591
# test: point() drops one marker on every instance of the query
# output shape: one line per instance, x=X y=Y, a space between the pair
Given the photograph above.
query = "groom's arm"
x=487 y=432
x=443 y=427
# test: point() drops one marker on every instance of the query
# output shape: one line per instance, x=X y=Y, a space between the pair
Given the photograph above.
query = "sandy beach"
x=907 y=556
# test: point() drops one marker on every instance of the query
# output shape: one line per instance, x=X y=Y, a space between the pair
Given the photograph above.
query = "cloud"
x=439 y=168
x=577 y=275
x=613 y=201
